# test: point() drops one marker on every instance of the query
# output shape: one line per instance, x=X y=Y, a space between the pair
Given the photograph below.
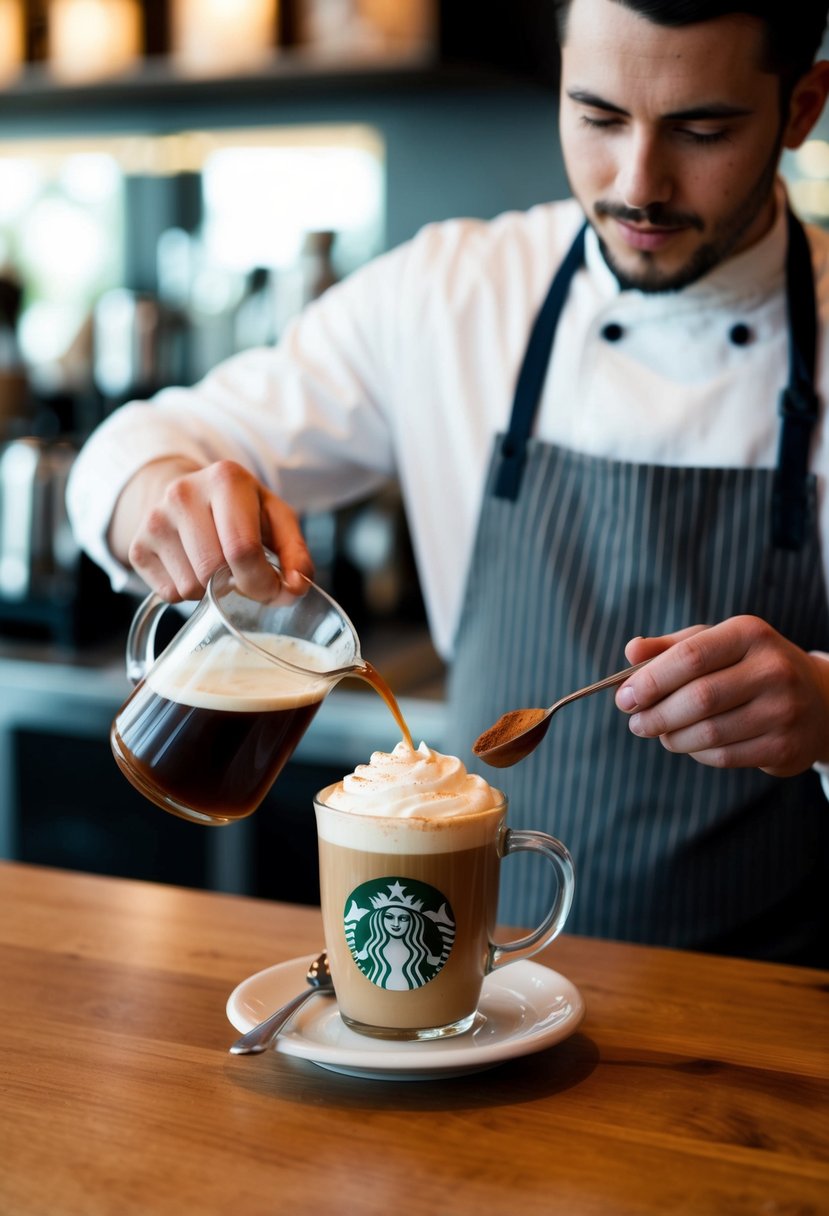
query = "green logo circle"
x=399 y=931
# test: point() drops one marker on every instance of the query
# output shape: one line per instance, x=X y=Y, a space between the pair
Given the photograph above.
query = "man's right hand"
x=176 y=522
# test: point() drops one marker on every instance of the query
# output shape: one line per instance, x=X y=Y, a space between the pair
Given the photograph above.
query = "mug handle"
x=141 y=637
x=517 y=841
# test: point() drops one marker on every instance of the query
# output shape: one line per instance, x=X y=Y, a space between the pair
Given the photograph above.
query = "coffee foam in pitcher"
x=227 y=675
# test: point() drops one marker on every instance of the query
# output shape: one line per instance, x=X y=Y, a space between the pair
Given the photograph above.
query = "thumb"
x=639 y=649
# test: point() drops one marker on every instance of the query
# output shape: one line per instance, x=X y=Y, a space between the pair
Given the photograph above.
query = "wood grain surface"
x=695 y=1084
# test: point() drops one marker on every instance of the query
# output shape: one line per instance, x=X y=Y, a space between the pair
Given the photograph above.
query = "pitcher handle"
x=518 y=841
x=141 y=637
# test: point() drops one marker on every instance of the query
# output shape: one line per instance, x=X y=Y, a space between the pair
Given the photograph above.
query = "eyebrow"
x=714 y=110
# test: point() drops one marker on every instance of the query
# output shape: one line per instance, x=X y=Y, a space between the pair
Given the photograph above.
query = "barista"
x=582 y=464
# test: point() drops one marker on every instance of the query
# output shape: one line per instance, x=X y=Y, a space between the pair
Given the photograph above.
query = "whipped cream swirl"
x=413 y=783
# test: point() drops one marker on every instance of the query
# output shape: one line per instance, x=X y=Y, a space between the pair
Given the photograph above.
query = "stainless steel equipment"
x=47 y=587
x=37 y=551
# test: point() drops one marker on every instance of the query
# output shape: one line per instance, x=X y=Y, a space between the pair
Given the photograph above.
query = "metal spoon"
x=261 y=1036
x=520 y=731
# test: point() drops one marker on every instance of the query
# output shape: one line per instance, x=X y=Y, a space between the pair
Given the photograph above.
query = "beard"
x=725 y=237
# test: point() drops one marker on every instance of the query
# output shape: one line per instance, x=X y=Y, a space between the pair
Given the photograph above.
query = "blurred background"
x=177 y=179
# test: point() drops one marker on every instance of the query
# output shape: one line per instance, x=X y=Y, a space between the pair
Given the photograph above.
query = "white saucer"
x=524 y=1008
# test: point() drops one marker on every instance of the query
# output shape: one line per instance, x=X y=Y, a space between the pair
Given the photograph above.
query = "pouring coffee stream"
x=519 y=732
x=369 y=673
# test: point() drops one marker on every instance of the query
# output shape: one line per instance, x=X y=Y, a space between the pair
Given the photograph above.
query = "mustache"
x=655 y=214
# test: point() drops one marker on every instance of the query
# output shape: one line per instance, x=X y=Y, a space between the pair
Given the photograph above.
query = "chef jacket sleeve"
x=307 y=417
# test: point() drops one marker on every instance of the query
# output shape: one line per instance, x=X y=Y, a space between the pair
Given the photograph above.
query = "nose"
x=644 y=175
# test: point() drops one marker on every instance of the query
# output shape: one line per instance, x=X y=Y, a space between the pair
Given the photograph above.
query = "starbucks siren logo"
x=399 y=931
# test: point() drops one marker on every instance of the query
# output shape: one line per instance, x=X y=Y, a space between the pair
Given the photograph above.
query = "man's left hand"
x=733 y=695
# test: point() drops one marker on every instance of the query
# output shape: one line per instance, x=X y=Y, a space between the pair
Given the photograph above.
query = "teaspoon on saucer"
x=260 y=1037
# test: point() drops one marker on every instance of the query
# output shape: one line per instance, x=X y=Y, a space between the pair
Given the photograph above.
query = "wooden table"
x=694 y=1084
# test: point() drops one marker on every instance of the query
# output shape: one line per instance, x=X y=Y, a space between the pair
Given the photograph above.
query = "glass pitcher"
x=215 y=717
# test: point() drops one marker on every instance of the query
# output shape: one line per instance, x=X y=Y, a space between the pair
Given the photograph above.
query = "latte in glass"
x=410 y=849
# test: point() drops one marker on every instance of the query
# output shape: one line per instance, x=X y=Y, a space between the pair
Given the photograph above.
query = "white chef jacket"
x=408 y=368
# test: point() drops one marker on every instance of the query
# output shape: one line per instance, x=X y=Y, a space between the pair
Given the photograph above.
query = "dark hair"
x=794 y=30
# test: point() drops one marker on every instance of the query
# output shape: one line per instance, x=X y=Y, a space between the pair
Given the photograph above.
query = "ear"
x=806 y=104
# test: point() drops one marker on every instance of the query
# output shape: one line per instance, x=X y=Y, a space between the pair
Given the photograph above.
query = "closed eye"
x=696 y=137
x=704 y=137
x=599 y=123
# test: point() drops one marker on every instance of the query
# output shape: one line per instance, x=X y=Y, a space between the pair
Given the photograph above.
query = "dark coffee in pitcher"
x=206 y=733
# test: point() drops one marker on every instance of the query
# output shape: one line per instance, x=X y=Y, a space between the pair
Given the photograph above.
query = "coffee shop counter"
x=693 y=1086
x=63 y=802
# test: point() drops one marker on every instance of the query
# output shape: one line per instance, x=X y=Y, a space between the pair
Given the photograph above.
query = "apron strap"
x=532 y=374
x=798 y=406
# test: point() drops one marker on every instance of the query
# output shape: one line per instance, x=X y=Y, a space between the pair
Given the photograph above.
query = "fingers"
x=636 y=695
x=733 y=695
x=236 y=503
x=735 y=736
x=212 y=516
x=690 y=655
x=639 y=649
x=284 y=535
x=175 y=546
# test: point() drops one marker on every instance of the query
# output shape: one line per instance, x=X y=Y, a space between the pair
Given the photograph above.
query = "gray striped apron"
x=575 y=555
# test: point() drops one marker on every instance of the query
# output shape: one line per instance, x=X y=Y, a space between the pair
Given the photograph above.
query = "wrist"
x=820 y=661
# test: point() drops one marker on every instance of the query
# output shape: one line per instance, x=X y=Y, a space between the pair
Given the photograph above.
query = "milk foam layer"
x=227 y=675
x=401 y=801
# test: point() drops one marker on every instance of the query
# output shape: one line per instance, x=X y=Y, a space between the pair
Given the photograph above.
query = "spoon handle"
x=258 y=1038
x=618 y=677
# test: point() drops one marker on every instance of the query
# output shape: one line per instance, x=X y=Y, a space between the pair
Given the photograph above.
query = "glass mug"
x=409 y=908
x=215 y=717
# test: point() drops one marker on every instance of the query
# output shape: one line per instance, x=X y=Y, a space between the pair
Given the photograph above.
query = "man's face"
x=671 y=139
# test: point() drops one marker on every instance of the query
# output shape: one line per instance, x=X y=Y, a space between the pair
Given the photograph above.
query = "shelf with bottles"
x=130 y=55
x=57 y=47
x=156 y=83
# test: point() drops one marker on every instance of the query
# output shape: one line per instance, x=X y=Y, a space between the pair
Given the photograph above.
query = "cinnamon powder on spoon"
x=508 y=727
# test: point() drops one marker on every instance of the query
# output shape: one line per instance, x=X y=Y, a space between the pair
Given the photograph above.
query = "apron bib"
x=575 y=555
